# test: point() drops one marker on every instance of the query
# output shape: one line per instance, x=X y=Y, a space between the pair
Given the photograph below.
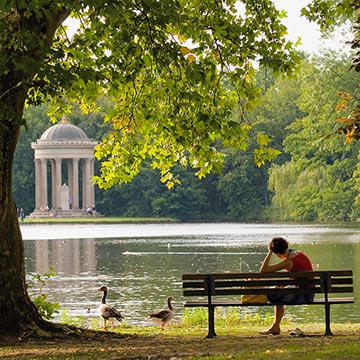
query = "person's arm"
x=283 y=265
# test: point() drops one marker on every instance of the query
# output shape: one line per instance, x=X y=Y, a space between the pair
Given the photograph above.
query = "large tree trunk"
x=17 y=312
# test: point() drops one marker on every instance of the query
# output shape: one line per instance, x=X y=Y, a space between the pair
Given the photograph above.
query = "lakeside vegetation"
x=105 y=220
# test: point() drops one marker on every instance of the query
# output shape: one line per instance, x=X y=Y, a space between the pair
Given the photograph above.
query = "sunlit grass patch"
x=224 y=317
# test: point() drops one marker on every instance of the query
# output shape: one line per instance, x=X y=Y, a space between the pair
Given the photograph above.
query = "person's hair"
x=278 y=245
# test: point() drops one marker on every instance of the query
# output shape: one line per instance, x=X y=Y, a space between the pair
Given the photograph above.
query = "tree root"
x=63 y=331
x=49 y=330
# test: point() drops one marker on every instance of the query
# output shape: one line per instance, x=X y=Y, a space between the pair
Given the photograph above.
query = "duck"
x=108 y=311
x=164 y=316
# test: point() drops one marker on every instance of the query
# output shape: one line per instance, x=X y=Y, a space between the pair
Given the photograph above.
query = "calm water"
x=142 y=264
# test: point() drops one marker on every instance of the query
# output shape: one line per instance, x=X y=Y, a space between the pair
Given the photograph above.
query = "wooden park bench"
x=225 y=289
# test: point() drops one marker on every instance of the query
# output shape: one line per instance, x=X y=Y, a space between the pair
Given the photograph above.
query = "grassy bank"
x=237 y=338
x=101 y=220
x=180 y=342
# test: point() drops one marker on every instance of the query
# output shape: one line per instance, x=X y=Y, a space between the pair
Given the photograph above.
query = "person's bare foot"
x=270 y=332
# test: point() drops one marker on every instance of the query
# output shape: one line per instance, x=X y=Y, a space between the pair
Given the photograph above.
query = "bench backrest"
x=324 y=282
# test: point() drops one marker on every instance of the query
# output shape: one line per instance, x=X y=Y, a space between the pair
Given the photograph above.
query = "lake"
x=142 y=264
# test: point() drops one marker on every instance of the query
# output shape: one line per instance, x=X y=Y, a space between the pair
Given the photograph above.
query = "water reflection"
x=141 y=271
x=70 y=256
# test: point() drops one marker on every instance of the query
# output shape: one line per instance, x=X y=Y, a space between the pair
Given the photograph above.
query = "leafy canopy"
x=175 y=69
x=317 y=184
x=328 y=14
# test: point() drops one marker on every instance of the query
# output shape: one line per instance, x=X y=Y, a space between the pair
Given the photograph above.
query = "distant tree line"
x=313 y=179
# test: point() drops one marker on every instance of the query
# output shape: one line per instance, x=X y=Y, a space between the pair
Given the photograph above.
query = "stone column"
x=44 y=184
x=91 y=185
x=53 y=185
x=56 y=183
x=75 y=183
x=86 y=184
x=70 y=182
x=38 y=199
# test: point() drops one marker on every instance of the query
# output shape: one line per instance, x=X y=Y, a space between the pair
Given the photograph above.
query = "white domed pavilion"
x=64 y=165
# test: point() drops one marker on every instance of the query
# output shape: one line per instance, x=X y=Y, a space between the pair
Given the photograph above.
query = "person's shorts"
x=291 y=298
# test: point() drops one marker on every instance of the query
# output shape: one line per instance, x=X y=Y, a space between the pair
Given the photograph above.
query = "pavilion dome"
x=64 y=131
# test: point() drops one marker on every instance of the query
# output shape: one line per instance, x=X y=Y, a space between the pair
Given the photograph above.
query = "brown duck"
x=107 y=311
x=164 y=316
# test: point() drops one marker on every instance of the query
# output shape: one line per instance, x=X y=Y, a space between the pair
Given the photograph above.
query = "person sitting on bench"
x=292 y=260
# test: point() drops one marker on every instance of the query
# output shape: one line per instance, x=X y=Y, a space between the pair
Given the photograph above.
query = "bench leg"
x=211 y=321
x=327 y=320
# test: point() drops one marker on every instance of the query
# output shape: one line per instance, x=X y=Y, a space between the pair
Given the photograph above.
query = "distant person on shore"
x=22 y=214
x=291 y=260
x=91 y=210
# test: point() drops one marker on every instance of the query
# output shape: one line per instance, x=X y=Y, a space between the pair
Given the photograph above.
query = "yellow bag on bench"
x=254 y=298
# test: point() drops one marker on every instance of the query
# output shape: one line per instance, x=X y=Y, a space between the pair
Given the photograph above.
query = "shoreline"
x=100 y=220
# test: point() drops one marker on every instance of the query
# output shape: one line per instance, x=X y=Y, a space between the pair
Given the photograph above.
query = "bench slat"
x=332 y=273
x=237 y=302
x=272 y=281
x=268 y=282
x=271 y=291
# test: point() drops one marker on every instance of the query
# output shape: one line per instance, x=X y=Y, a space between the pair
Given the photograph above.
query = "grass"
x=102 y=220
x=237 y=339
x=180 y=342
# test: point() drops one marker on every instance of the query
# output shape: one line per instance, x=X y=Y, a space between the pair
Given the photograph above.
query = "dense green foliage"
x=328 y=14
x=146 y=196
x=318 y=181
x=311 y=180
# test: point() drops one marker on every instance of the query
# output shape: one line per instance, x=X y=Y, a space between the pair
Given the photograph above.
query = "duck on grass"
x=108 y=311
x=164 y=316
